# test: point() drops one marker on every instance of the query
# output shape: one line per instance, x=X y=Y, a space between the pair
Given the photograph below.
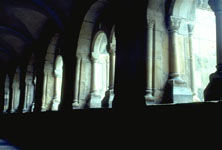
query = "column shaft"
x=112 y=58
x=75 y=103
x=44 y=92
x=93 y=78
x=149 y=60
x=174 y=67
x=149 y=63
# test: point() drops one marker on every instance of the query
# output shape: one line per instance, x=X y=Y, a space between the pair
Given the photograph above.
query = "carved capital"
x=190 y=28
x=79 y=55
x=150 y=23
x=216 y=5
x=94 y=56
x=111 y=48
x=203 y=4
x=174 y=23
x=58 y=73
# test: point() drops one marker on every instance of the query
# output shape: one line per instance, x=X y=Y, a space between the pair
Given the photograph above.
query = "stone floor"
x=52 y=130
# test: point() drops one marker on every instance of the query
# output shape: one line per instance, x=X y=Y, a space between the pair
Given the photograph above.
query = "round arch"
x=184 y=9
x=99 y=43
x=89 y=24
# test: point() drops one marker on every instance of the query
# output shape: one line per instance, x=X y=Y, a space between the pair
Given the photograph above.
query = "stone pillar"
x=176 y=89
x=75 y=103
x=95 y=100
x=192 y=63
x=57 y=90
x=29 y=95
x=29 y=87
x=213 y=89
x=109 y=95
x=6 y=94
x=34 y=93
x=174 y=68
x=16 y=91
x=149 y=63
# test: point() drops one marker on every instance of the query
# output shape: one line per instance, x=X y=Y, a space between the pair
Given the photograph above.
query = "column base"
x=196 y=99
x=150 y=99
x=177 y=92
x=108 y=99
x=43 y=109
x=75 y=104
x=213 y=89
x=25 y=110
x=55 y=105
x=94 y=101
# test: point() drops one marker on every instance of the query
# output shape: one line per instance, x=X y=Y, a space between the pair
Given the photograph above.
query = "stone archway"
x=49 y=80
x=100 y=69
x=179 y=13
x=83 y=63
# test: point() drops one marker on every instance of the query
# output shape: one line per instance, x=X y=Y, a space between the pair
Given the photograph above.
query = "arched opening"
x=93 y=22
x=58 y=73
x=204 y=46
x=100 y=69
x=49 y=73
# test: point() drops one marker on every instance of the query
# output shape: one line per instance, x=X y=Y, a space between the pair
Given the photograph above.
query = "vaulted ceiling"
x=22 y=23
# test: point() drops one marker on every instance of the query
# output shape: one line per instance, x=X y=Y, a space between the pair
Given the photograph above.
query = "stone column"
x=95 y=100
x=16 y=91
x=149 y=63
x=6 y=94
x=192 y=62
x=176 y=89
x=174 y=25
x=75 y=103
x=57 y=90
x=213 y=90
x=107 y=72
x=29 y=87
x=28 y=96
x=34 y=93
x=45 y=79
x=109 y=95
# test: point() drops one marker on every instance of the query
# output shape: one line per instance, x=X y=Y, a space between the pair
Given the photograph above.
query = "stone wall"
x=204 y=48
x=160 y=47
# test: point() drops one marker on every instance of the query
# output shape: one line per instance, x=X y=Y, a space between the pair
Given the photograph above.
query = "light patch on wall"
x=204 y=48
